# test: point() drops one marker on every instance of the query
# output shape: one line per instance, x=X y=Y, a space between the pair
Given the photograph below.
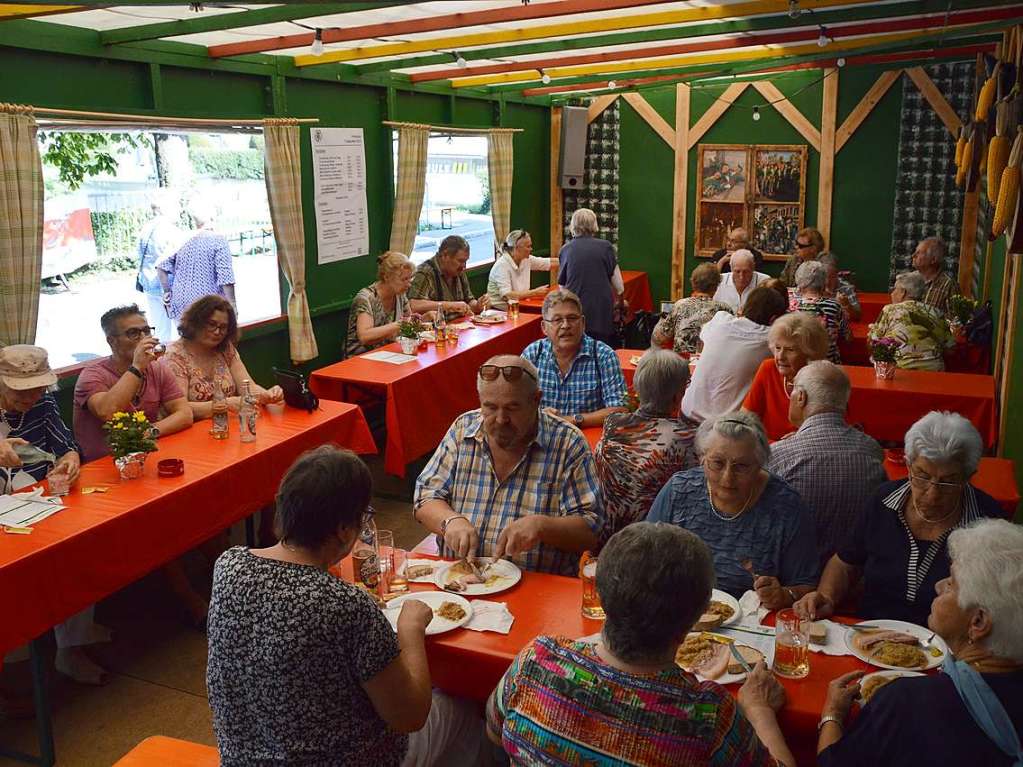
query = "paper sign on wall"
x=339 y=178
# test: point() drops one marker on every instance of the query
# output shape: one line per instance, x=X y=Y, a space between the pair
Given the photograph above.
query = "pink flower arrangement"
x=884 y=349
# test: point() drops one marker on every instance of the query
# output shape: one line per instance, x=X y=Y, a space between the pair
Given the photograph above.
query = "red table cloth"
x=871 y=305
x=424 y=397
x=637 y=293
x=961 y=358
x=103 y=541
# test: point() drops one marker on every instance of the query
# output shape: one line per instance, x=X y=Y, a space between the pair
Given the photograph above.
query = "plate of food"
x=871 y=683
x=635 y=358
x=498 y=575
x=490 y=317
x=895 y=645
x=449 y=610
x=710 y=657
x=724 y=610
x=422 y=570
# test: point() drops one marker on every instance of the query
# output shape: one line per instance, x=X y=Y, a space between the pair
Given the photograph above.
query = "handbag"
x=296 y=392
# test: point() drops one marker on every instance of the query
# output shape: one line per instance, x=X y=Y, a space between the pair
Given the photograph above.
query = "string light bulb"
x=612 y=84
x=823 y=40
x=460 y=61
x=840 y=63
x=544 y=77
x=794 y=10
x=756 y=114
x=317 y=47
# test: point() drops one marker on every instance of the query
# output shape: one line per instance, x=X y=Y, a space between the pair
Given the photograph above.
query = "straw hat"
x=25 y=367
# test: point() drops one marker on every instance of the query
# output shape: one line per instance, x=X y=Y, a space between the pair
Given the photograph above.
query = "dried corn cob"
x=964 y=166
x=1008 y=188
x=998 y=150
x=960 y=146
x=986 y=98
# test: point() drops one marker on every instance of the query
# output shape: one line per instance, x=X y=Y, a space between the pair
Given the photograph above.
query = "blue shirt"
x=776 y=533
x=594 y=379
x=42 y=427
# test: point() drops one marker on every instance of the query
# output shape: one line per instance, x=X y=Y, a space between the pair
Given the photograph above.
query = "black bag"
x=637 y=332
x=981 y=327
x=296 y=393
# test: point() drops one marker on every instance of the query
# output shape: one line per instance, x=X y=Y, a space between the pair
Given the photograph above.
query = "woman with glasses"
x=809 y=246
x=509 y=276
x=898 y=548
x=205 y=358
x=760 y=533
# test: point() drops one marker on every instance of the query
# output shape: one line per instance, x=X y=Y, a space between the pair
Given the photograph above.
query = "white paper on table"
x=25 y=509
x=490 y=616
x=463 y=326
x=834 y=641
x=391 y=358
x=752 y=611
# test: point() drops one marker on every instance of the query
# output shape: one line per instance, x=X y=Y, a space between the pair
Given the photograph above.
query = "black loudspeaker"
x=572 y=160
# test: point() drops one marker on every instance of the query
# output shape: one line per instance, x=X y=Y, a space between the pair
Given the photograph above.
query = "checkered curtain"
x=284 y=190
x=21 y=225
x=599 y=192
x=927 y=201
x=413 y=141
x=499 y=161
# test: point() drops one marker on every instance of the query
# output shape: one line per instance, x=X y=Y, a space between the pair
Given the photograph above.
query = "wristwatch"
x=577 y=419
x=135 y=372
x=830 y=718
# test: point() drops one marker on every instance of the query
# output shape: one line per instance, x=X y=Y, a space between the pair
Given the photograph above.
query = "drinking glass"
x=452 y=336
x=59 y=483
x=791 y=645
x=513 y=308
x=385 y=549
x=398 y=577
x=591 y=599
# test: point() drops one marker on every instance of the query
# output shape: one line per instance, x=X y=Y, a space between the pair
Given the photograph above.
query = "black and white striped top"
x=43 y=427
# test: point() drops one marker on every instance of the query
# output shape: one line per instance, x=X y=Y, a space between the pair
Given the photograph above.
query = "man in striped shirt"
x=511 y=480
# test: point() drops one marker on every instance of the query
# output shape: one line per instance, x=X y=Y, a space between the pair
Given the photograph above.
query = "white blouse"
x=506 y=277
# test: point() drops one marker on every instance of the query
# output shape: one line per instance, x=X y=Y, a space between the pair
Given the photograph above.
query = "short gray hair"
x=936 y=249
x=742 y=424
x=830 y=260
x=584 y=223
x=988 y=561
x=654 y=581
x=559 y=296
x=826 y=385
x=705 y=278
x=944 y=436
x=812 y=275
x=913 y=283
x=660 y=375
x=739 y=234
x=743 y=255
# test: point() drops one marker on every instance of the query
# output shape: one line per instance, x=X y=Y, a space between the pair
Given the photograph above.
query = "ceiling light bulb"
x=823 y=39
x=461 y=62
x=545 y=78
x=611 y=84
x=317 y=47
x=756 y=114
x=840 y=62
x=794 y=9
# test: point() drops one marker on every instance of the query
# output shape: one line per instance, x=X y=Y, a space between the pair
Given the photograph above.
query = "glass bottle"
x=366 y=555
x=247 y=413
x=221 y=419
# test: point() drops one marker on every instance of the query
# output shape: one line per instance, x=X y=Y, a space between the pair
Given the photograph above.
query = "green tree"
x=78 y=156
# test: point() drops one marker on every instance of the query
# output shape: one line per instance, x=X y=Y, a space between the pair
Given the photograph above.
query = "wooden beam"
x=788 y=110
x=935 y=98
x=652 y=117
x=870 y=100
x=598 y=105
x=556 y=199
x=679 y=210
x=1003 y=377
x=826 y=178
x=718 y=108
x=620 y=85
x=10 y=11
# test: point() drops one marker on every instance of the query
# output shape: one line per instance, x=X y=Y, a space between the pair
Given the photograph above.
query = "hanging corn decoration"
x=960 y=146
x=998 y=151
x=986 y=99
x=1008 y=188
x=964 y=166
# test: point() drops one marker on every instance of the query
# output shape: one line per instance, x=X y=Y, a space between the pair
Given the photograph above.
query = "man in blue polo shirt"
x=581 y=378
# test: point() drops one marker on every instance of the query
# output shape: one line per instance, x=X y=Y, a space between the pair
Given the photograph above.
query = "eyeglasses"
x=136 y=333
x=568 y=319
x=942 y=487
x=217 y=327
x=718 y=466
x=511 y=373
x=803 y=244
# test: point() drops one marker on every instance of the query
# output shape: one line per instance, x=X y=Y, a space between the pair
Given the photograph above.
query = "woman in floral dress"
x=920 y=330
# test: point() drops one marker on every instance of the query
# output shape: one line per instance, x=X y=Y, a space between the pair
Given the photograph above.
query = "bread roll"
x=750 y=655
x=707 y=622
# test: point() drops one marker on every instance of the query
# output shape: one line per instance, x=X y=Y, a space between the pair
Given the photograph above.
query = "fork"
x=747 y=565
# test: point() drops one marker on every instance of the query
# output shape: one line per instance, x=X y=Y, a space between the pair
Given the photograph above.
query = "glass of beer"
x=791 y=645
x=366 y=566
x=591 y=599
x=513 y=308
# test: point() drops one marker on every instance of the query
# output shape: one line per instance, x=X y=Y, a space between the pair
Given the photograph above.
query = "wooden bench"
x=160 y=751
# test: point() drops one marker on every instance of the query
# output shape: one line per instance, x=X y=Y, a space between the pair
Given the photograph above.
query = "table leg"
x=41 y=697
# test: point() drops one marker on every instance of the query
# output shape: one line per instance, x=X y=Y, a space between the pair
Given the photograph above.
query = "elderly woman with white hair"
x=759 y=531
x=972 y=713
x=588 y=267
x=640 y=451
x=510 y=275
x=809 y=297
x=919 y=328
x=898 y=546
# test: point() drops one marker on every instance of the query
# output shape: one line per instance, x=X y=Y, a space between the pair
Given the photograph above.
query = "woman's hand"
x=414 y=617
x=841 y=694
x=271 y=395
x=70 y=463
x=761 y=690
x=772 y=594
x=8 y=458
x=814 y=606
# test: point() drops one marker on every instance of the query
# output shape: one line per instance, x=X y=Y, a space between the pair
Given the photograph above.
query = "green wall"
x=48 y=67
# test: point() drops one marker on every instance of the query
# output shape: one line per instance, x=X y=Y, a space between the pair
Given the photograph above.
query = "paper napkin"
x=490 y=616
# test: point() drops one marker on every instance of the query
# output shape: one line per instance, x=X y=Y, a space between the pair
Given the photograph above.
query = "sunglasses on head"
x=511 y=373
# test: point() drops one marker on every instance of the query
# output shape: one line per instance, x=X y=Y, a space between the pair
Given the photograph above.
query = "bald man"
x=509 y=480
x=738 y=239
x=736 y=286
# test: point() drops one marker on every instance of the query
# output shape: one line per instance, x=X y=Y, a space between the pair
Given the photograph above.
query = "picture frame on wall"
x=761 y=187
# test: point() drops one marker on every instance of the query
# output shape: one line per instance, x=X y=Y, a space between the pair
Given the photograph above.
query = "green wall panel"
x=214 y=94
x=73 y=82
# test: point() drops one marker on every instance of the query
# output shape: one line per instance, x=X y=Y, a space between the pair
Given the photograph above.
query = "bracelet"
x=444 y=523
x=135 y=372
x=829 y=718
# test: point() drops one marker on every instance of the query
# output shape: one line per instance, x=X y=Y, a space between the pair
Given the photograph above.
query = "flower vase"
x=408 y=345
x=957 y=329
x=130 y=466
x=885 y=370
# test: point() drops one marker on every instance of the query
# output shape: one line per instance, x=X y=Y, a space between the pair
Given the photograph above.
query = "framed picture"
x=761 y=187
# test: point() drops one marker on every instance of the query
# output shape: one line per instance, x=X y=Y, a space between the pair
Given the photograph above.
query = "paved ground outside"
x=477 y=229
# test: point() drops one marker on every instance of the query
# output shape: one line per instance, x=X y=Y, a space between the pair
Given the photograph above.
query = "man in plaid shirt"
x=580 y=377
x=929 y=260
x=509 y=480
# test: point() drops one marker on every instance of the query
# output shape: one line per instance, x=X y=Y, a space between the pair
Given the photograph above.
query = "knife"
x=738 y=656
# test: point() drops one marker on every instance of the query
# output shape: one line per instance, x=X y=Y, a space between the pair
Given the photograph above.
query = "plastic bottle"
x=247 y=414
x=221 y=420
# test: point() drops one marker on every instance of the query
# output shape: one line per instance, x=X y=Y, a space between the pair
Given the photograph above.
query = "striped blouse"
x=43 y=427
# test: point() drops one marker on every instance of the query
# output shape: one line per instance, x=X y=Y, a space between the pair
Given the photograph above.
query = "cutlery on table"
x=738 y=656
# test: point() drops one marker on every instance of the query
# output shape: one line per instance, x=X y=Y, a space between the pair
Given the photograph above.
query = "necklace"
x=723 y=517
x=927 y=519
x=11 y=426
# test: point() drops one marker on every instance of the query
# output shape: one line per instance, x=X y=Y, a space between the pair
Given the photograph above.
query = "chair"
x=160 y=751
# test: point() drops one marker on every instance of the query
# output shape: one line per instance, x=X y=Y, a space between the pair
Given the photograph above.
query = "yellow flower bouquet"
x=129 y=433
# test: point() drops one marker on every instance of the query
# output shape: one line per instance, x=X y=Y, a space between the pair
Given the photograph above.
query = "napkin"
x=834 y=642
x=462 y=326
x=490 y=616
x=753 y=612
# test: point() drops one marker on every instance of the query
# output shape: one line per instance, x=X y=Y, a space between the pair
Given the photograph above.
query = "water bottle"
x=221 y=418
x=366 y=556
x=247 y=414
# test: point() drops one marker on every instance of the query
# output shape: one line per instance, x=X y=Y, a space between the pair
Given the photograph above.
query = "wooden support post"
x=865 y=107
x=986 y=291
x=1003 y=381
x=652 y=117
x=718 y=108
x=826 y=181
x=556 y=199
x=788 y=110
x=1002 y=326
x=937 y=101
x=679 y=209
x=598 y=105
x=971 y=201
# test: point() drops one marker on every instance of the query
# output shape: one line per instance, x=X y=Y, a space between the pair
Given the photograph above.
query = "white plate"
x=888 y=674
x=490 y=319
x=434 y=599
x=725 y=678
x=508 y=574
x=428 y=578
x=919 y=632
x=728 y=599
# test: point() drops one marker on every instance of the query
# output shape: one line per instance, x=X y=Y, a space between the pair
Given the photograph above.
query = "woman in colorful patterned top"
x=682 y=327
x=920 y=330
x=811 y=281
x=640 y=451
x=624 y=700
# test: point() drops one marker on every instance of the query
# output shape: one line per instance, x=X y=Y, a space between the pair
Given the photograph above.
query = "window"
x=102 y=194
x=456 y=199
